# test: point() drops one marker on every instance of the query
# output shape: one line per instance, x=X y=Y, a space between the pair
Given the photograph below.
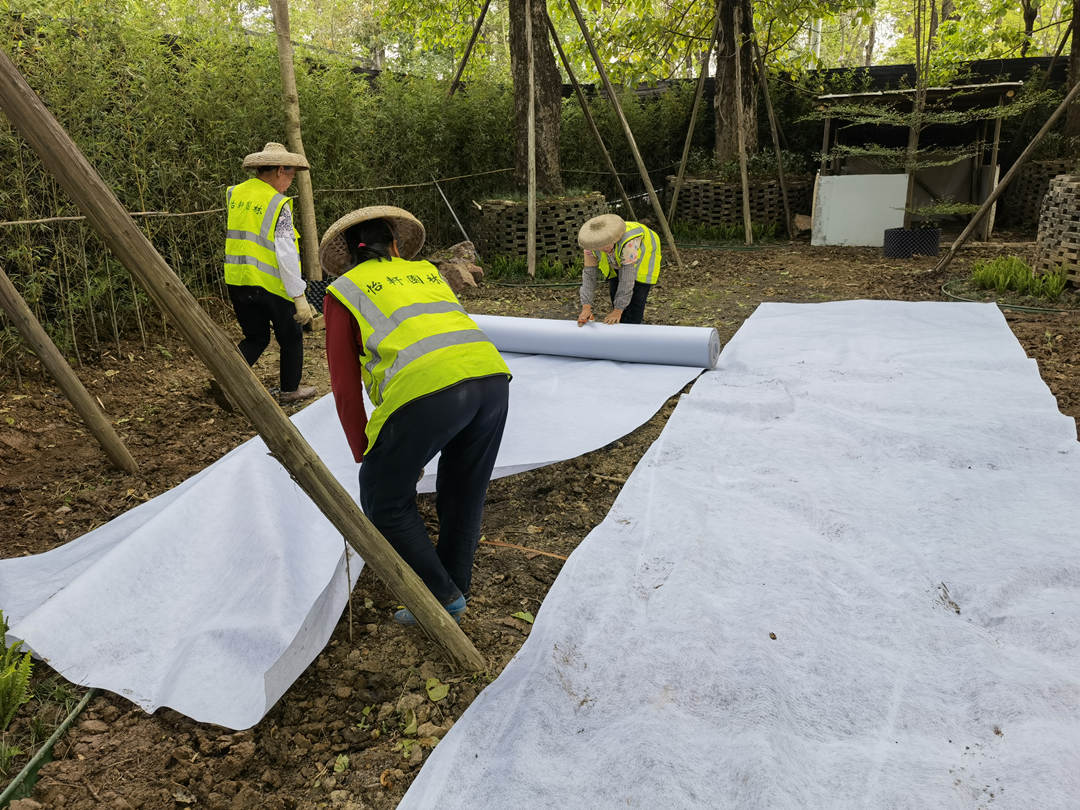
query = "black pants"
x=635 y=310
x=465 y=422
x=256 y=311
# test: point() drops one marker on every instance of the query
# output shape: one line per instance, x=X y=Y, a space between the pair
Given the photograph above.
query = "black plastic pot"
x=903 y=243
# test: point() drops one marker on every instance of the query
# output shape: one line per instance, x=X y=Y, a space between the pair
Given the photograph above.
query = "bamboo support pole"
x=999 y=189
x=87 y=407
x=82 y=183
x=740 y=127
x=468 y=50
x=309 y=230
x=698 y=93
x=530 y=243
x=588 y=114
x=825 y=146
x=988 y=224
x=775 y=130
x=657 y=208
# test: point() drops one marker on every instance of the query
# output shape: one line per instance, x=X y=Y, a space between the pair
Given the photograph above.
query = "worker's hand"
x=614 y=316
x=585 y=316
x=303 y=314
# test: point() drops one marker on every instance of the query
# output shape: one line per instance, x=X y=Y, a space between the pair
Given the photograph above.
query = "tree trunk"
x=726 y=97
x=1030 y=10
x=868 y=51
x=548 y=99
x=1072 y=120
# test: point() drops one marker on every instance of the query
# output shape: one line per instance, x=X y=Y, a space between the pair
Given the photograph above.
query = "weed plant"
x=15 y=669
x=1012 y=274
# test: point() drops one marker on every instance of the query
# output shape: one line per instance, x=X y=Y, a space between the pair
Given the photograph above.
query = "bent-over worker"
x=437 y=384
x=262 y=265
x=627 y=254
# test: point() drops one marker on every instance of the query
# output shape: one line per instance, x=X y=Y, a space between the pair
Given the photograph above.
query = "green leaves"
x=15 y=669
x=524 y=615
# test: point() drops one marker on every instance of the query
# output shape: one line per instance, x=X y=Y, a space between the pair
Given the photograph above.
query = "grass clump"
x=515 y=268
x=1005 y=274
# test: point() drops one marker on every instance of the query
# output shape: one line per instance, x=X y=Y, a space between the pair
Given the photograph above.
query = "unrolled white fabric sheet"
x=213 y=597
x=889 y=490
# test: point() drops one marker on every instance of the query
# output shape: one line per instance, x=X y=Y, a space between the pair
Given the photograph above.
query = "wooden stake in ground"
x=530 y=241
x=693 y=120
x=82 y=183
x=740 y=125
x=468 y=49
x=87 y=407
x=775 y=136
x=999 y=189
x=309 y=231
x=657 y=209
x=587 y=114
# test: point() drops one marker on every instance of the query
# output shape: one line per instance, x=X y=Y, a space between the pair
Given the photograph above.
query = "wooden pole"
x=775 y=130
x=85 y=404
x=588 y=115
x=698 y=93
x=988 y=225
x=825 y=146
x=657 y=208
x=468 y=49
x=740 y=127
x=530 y=244
x=1004 y=184
x=309 y=231
x=82 y=183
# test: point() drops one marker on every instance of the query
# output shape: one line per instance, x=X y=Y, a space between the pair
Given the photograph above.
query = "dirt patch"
x=357 y=725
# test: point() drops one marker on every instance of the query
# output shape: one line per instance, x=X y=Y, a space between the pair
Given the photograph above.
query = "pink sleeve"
x=343 y=360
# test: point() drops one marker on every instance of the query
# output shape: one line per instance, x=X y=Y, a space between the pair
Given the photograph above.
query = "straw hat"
x=408 y=231
x=601 y=231
x=274 y=154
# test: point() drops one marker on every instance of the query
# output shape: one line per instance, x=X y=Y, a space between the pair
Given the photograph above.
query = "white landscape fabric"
x=213 y=597
x=886 y=487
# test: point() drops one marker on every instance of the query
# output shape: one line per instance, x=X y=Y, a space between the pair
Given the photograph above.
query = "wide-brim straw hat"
x=408 y=232
x=601 y=231
x=275 y=154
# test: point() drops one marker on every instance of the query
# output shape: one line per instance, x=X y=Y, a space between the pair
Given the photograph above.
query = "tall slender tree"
x=727 y=95
x=548 y=84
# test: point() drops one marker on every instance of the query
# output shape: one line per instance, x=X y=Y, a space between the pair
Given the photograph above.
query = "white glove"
x=303 y=314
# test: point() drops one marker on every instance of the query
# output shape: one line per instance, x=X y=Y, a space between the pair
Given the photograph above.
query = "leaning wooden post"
x=657 y=208
x=530 y=243
x=77 y=177
x=775 y=135
x=988 y=225
x=38 y=340
x=468 y=49
x=999 y=189
x=740 y=130
x=698 y=93
x=309 y=231
x=587 y=114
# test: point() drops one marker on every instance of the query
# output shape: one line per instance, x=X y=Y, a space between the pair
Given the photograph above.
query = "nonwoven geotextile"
x=846 y=575
x=213 y=597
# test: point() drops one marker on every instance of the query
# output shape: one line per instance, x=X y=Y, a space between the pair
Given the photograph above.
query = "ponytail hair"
x=369 y=240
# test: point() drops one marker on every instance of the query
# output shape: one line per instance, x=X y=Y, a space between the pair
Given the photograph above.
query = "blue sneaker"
x=455 y=609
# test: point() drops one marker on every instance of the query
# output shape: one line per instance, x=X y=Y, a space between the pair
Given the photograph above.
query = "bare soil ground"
x=364 y=698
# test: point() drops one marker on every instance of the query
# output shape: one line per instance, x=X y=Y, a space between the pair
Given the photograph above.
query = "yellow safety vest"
x=648 y=263
x=250 y=259
x=416 y=337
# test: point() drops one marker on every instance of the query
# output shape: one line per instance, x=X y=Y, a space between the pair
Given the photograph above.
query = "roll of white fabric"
x=626 y=342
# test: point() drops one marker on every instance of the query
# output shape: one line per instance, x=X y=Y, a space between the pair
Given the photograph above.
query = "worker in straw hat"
x=627 y=254
x=437 y=384
x=262 y=265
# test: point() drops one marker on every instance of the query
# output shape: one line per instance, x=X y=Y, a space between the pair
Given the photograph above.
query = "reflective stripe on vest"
x=647 y=269
x=250 y=257
x=416 y=338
